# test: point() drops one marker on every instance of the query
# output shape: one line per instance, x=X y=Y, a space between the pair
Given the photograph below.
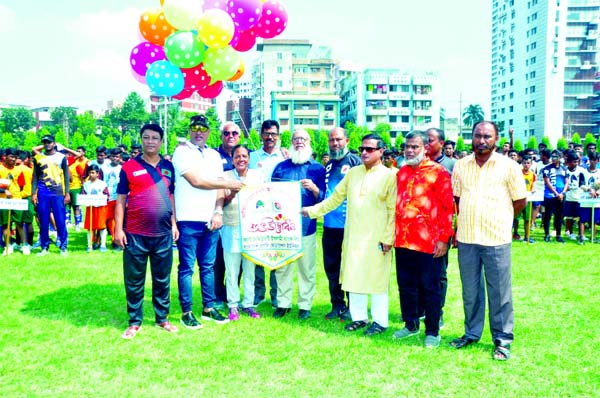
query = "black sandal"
x=461 y=342
x=354 y=326
x=374 y=329
x=501 y=352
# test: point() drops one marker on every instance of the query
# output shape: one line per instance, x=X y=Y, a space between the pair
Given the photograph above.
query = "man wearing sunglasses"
x=230 y=137
x=199 y=188
x=370 y=191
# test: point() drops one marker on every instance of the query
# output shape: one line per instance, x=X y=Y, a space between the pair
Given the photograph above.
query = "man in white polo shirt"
x=199 y=209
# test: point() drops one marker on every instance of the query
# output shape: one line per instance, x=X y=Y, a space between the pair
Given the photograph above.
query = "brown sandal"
x=354 y=326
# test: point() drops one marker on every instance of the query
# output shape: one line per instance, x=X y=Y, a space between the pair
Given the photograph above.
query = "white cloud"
x=8 y=19
x=107 y=27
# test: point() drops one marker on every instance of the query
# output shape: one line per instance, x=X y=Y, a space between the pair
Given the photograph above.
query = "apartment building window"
x=510 y=122
x=532 y=75
x=503 y=85
x=280 y=69
x=279 y=83
x=393 y=119
x=533 y=60
x=314 y=84
x=512 y=82
x=404 y=119
x=532 y=89
x=328 y=107
x=532 y=118
x=369 y=118
x=327 y=84
x=284 y=122
x=511 y=108
x=284 y=107
x=531 y=132
x=511 y=95
x=532 y=103
x=533 y=31
x=533 y=45
x=279 y=56
x=315 y=70
x=526 y=118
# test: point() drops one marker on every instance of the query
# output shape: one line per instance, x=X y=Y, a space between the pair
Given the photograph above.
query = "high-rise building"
x=403 y=100
x=544 y=65
x=295 y=83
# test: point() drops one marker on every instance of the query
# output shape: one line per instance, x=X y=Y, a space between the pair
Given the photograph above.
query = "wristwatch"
x=219 y=211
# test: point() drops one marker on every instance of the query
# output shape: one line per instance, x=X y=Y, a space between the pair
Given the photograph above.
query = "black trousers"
x=332 y=259
x=219 y=269
x=419 y=274
x=553 y=206
x=260 y=287
x=135 y=259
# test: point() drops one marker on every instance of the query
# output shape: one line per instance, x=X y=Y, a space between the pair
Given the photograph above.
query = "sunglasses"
x=368 y=149
x=228 y=133
x=195 y=128
x=269 y=134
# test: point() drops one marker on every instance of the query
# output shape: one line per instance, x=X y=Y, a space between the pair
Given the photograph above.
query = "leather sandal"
x=501 y=352
x=354 y=326
x=462 y=342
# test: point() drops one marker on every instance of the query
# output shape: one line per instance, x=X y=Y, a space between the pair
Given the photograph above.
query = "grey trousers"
x=495 y=261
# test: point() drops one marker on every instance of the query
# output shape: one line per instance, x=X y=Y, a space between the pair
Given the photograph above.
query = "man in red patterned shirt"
x=424 y=210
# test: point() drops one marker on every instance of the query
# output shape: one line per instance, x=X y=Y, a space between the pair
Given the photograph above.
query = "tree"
x=322 y=145
x=576 y=138
x=17 y=120
x=460 y=144
x=214 y=139
x=589 y=139
x=562 y=144
x=133 y=113
x=30 y=140
x=399 y=140
x=383 y=130
x=286 y=139
x=546 y=141
x=532 y=143
x=77 y=140
x=518 y=146
x=60 y=137
x=64 y=115
x=253 y=140
x=8 y=140
x=109 y=142
x=87 y=124
x=91 y=143
x=472 y=115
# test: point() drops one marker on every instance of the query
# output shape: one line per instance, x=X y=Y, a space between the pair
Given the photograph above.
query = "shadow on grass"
x=86 y=305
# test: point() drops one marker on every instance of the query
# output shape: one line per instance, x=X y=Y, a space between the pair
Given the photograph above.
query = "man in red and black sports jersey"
x=145 y=227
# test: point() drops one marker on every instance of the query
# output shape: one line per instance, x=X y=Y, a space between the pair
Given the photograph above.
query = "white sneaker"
x=573 y=236
x=44 y=252
x=26 y=250
x=6 y=252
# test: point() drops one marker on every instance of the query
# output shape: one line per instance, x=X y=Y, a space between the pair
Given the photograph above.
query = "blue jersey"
x=557 y=177
x=335 y=171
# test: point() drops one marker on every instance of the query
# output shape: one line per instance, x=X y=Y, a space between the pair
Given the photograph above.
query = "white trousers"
x=307 y=277
x=379 y=307
x=232 y=273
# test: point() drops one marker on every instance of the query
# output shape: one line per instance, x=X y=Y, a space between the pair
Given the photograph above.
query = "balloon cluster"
x=194 y=45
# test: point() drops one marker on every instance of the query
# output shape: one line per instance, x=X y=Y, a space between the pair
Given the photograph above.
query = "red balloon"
x=245 y=40
x=195 y=78
x=184 y=94
x=212 y=91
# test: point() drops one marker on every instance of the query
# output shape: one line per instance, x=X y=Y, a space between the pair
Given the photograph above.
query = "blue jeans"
x=196 y=242
x=56 y=205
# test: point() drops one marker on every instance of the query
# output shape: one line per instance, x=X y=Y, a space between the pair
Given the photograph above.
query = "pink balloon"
x=139 y=78
x=143 y=55
x=220 y=4
x=195 y=78
x=273 y=20
x=244 y=13
x=245 y=40
x=212 y=91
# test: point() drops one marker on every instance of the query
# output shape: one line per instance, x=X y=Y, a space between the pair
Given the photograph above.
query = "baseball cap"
x=48 y=137
x=199 y=120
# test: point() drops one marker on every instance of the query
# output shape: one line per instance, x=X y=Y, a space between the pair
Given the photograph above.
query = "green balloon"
x=221 y=63
x=184 y=49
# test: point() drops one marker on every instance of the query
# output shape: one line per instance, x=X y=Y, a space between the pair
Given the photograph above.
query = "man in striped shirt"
x=489 y=190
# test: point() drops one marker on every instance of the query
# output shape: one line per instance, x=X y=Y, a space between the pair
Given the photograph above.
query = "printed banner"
x=91 y=200
x=14 y=204
x=271 y=223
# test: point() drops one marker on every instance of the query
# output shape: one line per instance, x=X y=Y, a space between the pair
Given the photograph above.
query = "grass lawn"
x=63 y=318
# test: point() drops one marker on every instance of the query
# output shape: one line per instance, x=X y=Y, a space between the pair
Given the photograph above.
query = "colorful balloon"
x=154 y=27
x=244 y=40
x=273 y=20
x=183 y=14
x=139 y=78
x=216 y=28
x=212 y=91
x=164 y=78
x=221 y=63
x=239 y=73
x=220 y=4
x=196 y=78
x=184 y=49
x=184 y=94
x=143 y=55
x=244 y=13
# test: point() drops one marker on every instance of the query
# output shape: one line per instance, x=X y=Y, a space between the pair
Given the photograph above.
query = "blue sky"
x=76 y=53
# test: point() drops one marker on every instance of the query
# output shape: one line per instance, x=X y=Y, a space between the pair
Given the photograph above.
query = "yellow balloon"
x=216 y=28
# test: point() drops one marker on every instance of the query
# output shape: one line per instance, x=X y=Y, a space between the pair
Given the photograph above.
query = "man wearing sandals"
x=488 y=189
x=370 y=192
x=424 y=211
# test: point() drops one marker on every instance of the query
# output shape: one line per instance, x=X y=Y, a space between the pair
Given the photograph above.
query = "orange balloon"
x=154 y=26
x=238 y=74
x=162 y=2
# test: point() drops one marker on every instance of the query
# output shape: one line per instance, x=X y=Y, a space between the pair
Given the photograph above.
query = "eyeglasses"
x=233 y=133
x=196 y=127
x=369 y=149
x=299 y=139
x=267 y=134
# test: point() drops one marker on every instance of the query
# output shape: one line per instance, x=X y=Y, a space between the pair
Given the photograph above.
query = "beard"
x=416 y=160
x=300 y=156
x=337 y=154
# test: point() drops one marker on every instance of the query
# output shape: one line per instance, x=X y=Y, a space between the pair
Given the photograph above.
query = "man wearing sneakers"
x=145 y=205
x=199 y=208
x=341 y=160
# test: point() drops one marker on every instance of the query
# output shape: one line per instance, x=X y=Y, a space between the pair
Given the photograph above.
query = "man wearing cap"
x=199 y=209
x=50 y=192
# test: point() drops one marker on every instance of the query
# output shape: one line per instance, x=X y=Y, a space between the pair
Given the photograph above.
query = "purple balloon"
x=244 y=13
x=143 y=55
x=220 y=4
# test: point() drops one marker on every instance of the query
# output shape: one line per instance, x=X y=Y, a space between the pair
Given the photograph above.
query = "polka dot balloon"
x=154 y=26
x=244 y=13
x=164 y=78
x=195 y=78
x=143 y=55
x=184 y=49
x=221 y=63
x=216 y=28
x=212 y=91
x=273 y=20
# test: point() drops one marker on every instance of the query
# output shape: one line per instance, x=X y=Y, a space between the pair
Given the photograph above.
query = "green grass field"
x=63 y=318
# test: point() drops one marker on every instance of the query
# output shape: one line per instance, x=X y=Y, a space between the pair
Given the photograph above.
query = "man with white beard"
x=301 y=167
